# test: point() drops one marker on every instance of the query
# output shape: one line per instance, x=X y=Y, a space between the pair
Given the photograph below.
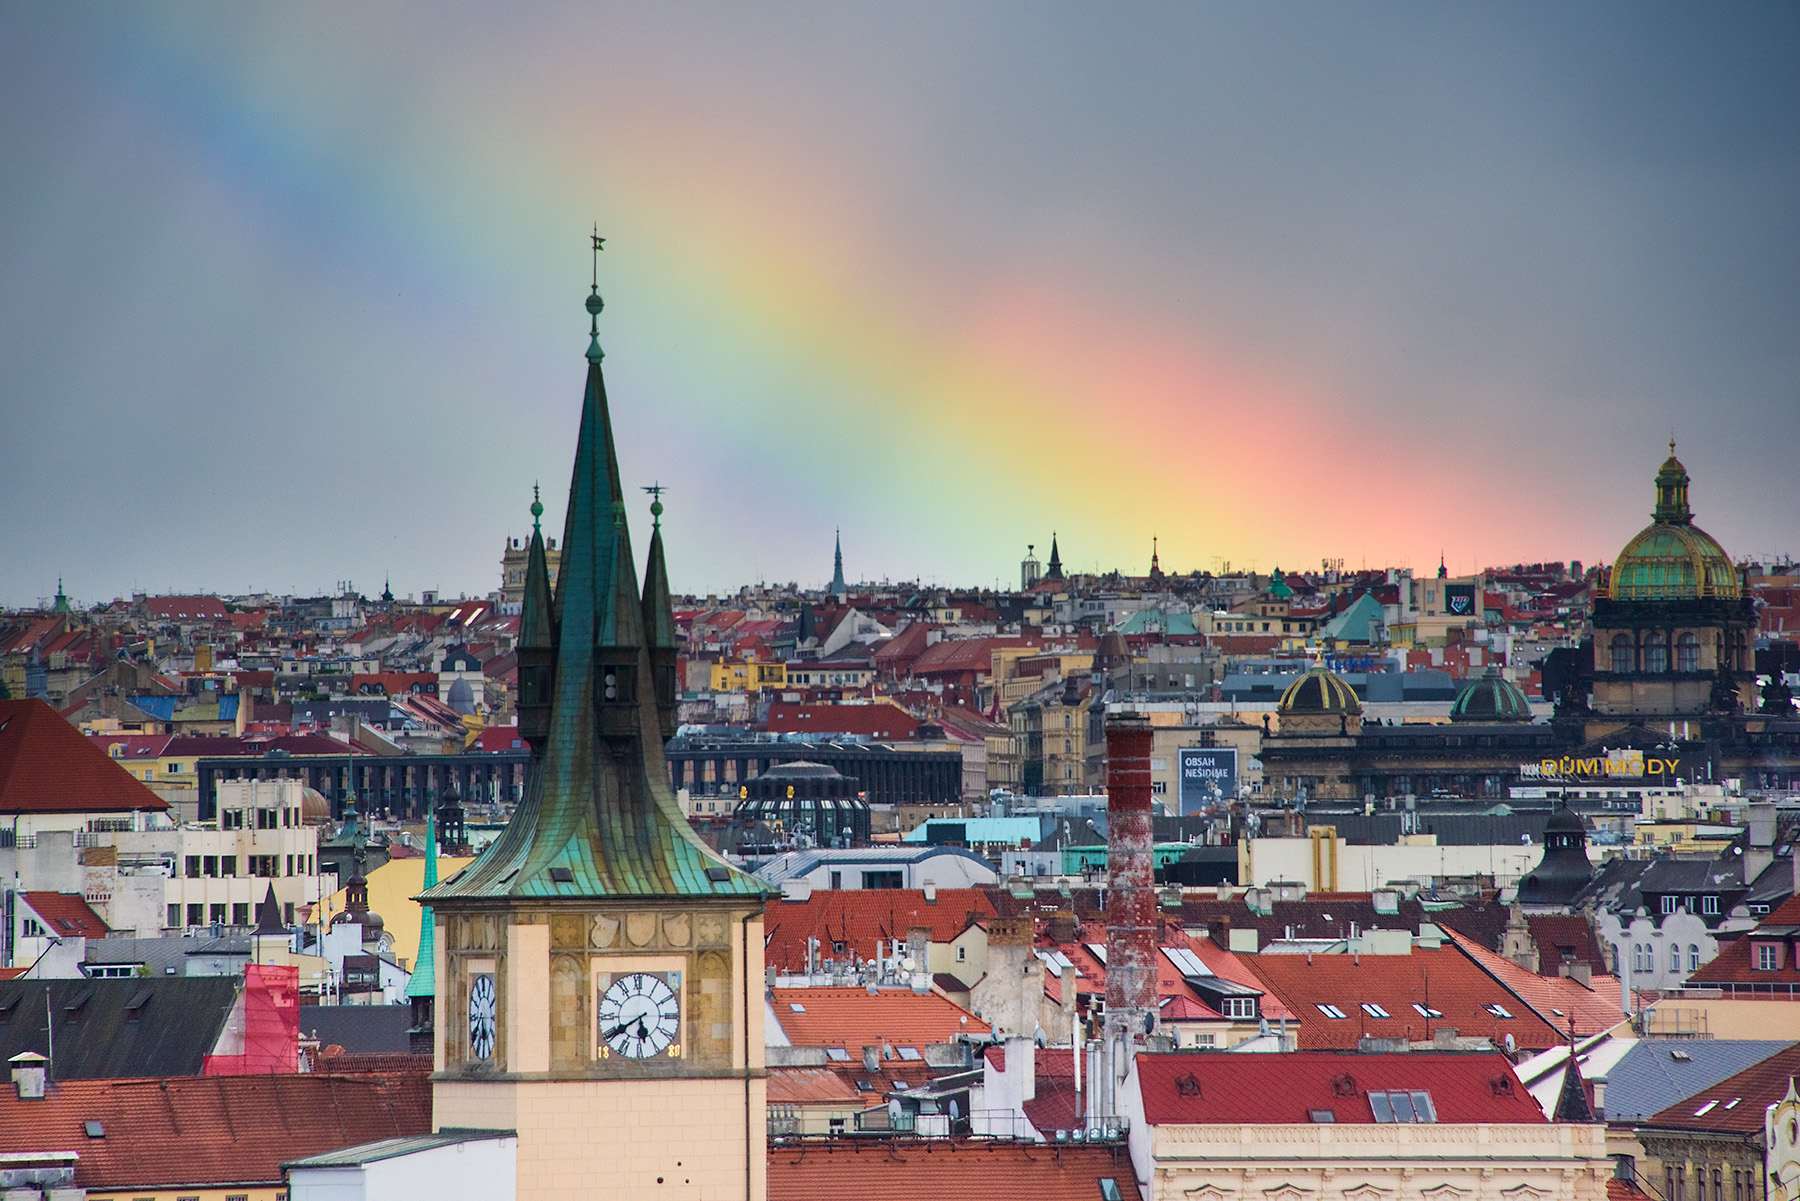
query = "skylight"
x=1426 y=1011
x=838 y=1054
x=910 y=1053
x=1097 y=950
x=1058 y=961
x=1330 y=1011
x=1397 y=1105
x=1498 y=1011
x=1374 y=1010
x=1706 y=1108
x=1733 y=1103
x=1185 y=961
x=796 y=1006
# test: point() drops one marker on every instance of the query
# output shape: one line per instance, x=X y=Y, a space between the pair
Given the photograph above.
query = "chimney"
x=28 y=1075
x=1219 y=930
x=1130 y=885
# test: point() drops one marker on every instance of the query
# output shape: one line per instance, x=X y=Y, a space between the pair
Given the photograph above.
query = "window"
x=1637 y=957
x=1709 y=904
x=287 y=913
x=193 y=867
x=1621 y=653
x=837 y=879
x=1374 y=1010
x=1425 y=1011
x=1718 y=1184
x=881 y=880
x=218 y=914
x=31 y=928
x=1687 y=653
x=1668 y=904
x=1737 y=1184
x=1109 y=1189
x=1768 y=957
x=1693 y=957
x=240 y=913
x=174 y=918
x=210 y=865
x=1656 y=653
x=962 y=954
x=1402 y=1106
x=1330 y=1011
x=1240 y=1008
x=1675 y=958
x=1496 y=1010
x=228 y=865
x=837 y=1125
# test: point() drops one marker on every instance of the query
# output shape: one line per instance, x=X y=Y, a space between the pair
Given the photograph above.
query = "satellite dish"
x=1511 y=1044
x=907 y=964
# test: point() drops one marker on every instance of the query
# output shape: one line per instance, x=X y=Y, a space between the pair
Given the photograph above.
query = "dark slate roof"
x=359 y=1029
x=1614 y=887
x=1653 y=1075
x=1692 y=875
x=118 y=1028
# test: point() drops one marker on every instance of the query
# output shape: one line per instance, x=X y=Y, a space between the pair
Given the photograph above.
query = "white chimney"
x=28 y=1075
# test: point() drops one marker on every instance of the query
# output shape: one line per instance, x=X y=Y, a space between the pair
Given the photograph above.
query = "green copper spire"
x=421 y=983
x=599 y=818
x=659 y=622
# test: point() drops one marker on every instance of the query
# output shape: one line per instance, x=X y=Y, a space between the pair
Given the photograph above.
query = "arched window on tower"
x=1622 y=658
x=1693 y=957
x=1687 y=653
x=1675 y=958
x=1656 y=653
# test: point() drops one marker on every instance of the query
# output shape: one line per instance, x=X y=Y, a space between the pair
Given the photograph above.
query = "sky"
x=292 y=294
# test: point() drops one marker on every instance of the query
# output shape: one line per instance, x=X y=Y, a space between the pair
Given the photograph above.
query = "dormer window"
x=1768 y=956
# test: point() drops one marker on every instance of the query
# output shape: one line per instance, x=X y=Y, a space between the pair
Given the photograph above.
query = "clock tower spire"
x=598 y=958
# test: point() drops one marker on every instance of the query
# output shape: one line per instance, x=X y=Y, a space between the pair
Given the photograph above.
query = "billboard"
x=1208 y=774
x=1459 y=600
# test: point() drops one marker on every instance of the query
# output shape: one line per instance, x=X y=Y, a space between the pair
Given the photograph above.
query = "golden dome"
x=1319 y=691
x=1672 y=558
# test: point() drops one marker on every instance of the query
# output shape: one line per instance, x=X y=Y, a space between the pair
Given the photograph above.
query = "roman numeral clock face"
x=481 y=1017
x=640 y=1016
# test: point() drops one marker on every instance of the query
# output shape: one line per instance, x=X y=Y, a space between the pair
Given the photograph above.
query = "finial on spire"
x=594 y=303
x=537 y=509
x=656 y=505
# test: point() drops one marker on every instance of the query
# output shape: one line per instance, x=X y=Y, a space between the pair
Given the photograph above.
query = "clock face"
x=481 y=1017
x=640 y=1016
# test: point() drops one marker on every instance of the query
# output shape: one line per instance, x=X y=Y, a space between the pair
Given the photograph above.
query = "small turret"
x=537 y=639
x=659 y=623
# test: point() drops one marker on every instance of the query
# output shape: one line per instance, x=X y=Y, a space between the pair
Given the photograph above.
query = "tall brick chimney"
x=1130 y=890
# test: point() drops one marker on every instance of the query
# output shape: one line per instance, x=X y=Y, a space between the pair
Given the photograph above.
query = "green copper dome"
x=1672 y=558
x=1491 y=698
x=1319 y=691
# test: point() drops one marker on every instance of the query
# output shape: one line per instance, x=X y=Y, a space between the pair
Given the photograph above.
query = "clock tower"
x=598 y=967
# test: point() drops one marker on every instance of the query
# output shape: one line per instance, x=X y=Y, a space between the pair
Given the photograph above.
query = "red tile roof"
x=498 y=738
x=1457 y=989
x=854 y=1018
x=858 y=917
x=1734 y=963
x=186 y=608
x=207 y=746
x=1190 y=1089
x=132 y=746
x=1737 y=1104
x=210 y=1131
x=48 y=766
x=812 y=1086
x=1596 y=1006
x=67 y=914
x=878 y=720
x=945 y=1170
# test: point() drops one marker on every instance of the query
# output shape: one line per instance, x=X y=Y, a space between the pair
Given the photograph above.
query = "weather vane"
x=656 y=507
x=594 y=303
x=599 y=245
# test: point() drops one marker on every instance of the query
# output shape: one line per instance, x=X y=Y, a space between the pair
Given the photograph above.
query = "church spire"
x=659 y=621
x=838 y=587
x=1055 y=571
x=1672 y=492
x=599 y=818
x=537 y=637
x=1155 y=561
x=421 y=984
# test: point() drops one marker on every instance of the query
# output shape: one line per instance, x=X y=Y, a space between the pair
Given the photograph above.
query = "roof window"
x=1109 y=1189
x=1706 y=1108
x=1330 y=1011
x=910 y=1053
x=1322 y=1115
x=1497 y=1010
x=1185 y=961
x=1374 y=1010
x=1733 y=1103
x=837 y=1054
x=796 y=1006
x=1397 y=1105
x=1426 y=1011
